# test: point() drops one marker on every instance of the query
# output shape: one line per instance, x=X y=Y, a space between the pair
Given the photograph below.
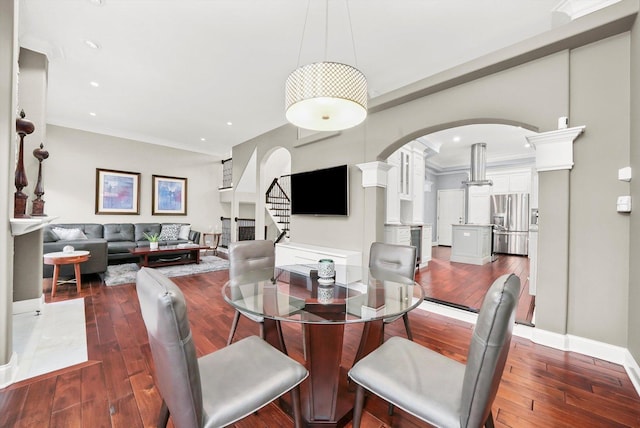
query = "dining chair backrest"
x=164 y=312
x=251 y=261
x=488 y=350
x=393 y=259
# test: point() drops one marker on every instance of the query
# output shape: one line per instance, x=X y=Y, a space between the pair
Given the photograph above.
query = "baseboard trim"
x=9 y=371
x=563 y=342
x=30 y=305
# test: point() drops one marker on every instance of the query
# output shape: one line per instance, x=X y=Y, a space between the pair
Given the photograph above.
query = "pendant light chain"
x=326 y=29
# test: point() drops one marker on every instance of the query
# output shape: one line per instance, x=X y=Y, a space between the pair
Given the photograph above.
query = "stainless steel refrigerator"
x=510 y=217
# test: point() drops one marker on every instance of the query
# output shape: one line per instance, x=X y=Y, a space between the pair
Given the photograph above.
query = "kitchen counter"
x=471 y=243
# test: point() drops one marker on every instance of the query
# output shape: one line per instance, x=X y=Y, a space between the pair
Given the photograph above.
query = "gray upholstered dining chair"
x=435 y=388
x=395 y=260
x=217 y=389
x=250 y=261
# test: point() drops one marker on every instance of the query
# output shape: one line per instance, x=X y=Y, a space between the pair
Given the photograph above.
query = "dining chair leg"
x=407 y=327
x=358 y=406
x=163 y=417
x=234 y=325
x=489 y=422
x=295 y=403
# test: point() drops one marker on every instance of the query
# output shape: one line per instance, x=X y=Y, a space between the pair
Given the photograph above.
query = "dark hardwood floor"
x=464 y=285
x=541 y=387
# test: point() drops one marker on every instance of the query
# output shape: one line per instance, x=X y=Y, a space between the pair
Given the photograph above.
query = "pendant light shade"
x=326 y=96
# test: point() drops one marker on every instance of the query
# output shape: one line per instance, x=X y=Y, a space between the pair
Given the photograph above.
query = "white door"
x=450 y=211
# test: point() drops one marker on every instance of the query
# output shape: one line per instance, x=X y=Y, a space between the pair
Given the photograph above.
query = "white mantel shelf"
x=22 y=226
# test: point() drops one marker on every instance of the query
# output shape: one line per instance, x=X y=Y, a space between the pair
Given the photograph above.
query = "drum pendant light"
x=326 y=96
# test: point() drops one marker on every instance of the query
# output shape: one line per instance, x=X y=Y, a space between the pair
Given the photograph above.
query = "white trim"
x=554 y=149
x=374 y=174
x=563 y=342
x=30 y=305
x=8 y=371
x=633 y=370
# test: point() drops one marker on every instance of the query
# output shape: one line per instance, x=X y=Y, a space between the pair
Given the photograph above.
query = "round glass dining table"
x=323 y=306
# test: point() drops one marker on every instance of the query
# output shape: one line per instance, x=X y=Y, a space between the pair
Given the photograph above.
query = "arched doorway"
x=510 y=161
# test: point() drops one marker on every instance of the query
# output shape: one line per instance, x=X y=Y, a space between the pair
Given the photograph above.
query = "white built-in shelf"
x=21 y=226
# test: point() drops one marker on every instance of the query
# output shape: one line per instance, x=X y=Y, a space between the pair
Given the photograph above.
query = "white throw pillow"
x=185 y=229
x=169 y=232
x=69 y=234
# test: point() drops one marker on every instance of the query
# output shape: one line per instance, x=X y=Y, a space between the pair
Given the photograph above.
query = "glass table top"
x=295 y=293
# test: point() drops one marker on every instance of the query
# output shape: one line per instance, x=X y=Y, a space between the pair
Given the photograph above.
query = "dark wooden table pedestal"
x=325 y=396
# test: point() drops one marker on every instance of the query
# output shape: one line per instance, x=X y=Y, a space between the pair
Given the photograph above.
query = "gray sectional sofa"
x=108 y=243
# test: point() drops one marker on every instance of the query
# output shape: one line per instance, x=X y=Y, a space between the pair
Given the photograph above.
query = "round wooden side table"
x=62 y=258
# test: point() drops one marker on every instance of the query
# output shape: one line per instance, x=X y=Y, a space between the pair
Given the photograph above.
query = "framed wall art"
x=169 y=196
x=117 y=192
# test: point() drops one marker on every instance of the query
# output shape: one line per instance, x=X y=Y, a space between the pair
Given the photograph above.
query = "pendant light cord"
x=353 y=41
x=304 y=30
x=326 y=29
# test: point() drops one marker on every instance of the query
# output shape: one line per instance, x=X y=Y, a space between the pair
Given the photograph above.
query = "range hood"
x=478 y=166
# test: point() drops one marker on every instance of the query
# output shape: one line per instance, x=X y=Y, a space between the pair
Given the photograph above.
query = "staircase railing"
x=279 y=204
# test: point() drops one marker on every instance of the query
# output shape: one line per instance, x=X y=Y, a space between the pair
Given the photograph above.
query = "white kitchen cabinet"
x=397 y=234
x=478 y=207
x=417 y=192
x=471 y=244
x=512 y=181
x=426 y=245
x=393 y=189
x=405 y=174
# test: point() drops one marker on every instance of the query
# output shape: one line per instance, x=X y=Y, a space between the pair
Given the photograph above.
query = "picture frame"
x=169 y=195
x=117 y=192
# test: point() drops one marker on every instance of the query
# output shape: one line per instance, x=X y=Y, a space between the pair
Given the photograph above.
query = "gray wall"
x=634 y=269
x=562 y=73
x=599 y=236
x=69 y=177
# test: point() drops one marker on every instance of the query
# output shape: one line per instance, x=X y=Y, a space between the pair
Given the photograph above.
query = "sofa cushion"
x=169 y=232
x=91 y=230
x=118 y=247
x=148 y=228
x=66 y=234
x=116 y=232
x=48 y=235
x=184 y=231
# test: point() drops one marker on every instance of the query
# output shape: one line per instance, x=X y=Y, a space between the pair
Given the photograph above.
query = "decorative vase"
x=326 y=269
x=68 y=249
x=153 y=245
x=325 y=294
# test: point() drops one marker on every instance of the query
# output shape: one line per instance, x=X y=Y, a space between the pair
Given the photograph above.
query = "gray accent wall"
x=581 y=70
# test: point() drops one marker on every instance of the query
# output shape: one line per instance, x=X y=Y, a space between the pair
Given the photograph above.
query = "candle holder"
x=37 y=205
x=23 y=127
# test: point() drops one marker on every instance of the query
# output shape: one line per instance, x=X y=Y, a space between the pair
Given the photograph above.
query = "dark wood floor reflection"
x=541 y=387
x=464 y=285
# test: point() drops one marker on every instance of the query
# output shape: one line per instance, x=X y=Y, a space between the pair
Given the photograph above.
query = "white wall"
x=70 y=172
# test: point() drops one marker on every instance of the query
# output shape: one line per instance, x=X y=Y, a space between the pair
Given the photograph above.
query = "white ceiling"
x=175 y=72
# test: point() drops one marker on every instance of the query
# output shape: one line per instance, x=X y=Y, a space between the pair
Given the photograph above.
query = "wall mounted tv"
x=321 y=192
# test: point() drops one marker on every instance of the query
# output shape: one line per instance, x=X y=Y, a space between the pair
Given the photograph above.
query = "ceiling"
x=207 y=75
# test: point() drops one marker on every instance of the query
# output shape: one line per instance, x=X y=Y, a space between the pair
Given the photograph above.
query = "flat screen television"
x=321 y=192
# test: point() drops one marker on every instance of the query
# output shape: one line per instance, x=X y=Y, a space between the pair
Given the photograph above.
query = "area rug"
x=52 y=340
x=126 y=273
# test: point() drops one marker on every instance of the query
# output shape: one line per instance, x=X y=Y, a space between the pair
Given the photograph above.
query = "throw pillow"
x=69 y=234
x=184 y=231
x=169 y=232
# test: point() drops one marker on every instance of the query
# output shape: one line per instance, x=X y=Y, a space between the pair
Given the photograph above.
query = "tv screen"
x=321 y=192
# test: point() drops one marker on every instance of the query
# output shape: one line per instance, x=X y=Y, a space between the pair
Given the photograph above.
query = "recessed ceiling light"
x=92 y=44
x=203 y=139
x=456 y=139
x=97 y=2
x=94 y=84
x=229 y=123
x=91 y=113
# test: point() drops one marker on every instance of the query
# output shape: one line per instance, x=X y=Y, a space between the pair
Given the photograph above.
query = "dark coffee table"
x=168 y=255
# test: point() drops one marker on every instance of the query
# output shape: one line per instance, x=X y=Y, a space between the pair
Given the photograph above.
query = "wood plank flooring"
x=464 y=285
x=541 y=387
